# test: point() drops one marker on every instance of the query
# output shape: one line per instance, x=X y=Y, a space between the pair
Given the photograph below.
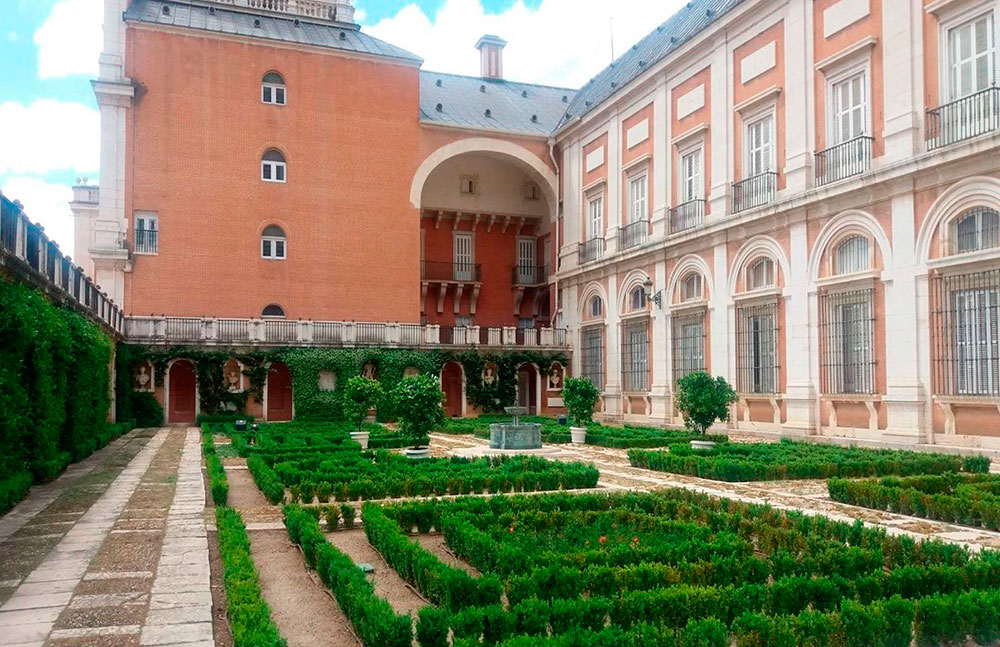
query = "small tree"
x=702 y=400
x=360 y=395
x=580 y=396
x=418 y=403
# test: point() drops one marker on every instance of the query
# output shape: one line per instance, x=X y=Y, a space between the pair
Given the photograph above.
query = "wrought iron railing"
x=146 y=241
x=845 y=160
x=524 y=275
x=633 y=234
x=451 y=272
x=966 y=328
x=687 y=216
x=968 y=117
x=591 y=250
x=755 y=191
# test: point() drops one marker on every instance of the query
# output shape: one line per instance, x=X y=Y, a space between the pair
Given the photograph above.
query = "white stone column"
x=613 y=200
x=612 y=354
x=901 y=31
x=904 y=394
x=572 y=215
x=800 y=392
x=661 y=180
x=721 y=128
x=719 y=313
x=660 y=351
x=798 y=68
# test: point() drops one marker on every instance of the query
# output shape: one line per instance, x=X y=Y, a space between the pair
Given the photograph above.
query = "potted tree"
x=418 y=403
x=360 y=395
x=702 y=400
x=580 y=396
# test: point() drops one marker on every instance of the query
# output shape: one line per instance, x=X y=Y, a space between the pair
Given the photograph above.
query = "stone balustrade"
x=337 y=11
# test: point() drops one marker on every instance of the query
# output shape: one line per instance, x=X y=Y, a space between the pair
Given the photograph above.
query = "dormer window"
x=272 y=89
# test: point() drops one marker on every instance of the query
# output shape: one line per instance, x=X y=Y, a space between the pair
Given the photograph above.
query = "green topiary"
x=702 y=400
x=580 y=396
x=418 y=403
x=360 y=395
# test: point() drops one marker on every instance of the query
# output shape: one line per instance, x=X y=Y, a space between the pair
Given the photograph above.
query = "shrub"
x=705 y=633
x=217 y=481
x=432 y=628
x=147 y=411
x=418 y=401
x=531 y=617
x=266 y=479
x=349 y=514
x=360 y=395
x=580 y=396
x=703 y=400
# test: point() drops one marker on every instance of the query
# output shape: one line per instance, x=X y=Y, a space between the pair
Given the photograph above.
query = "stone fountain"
x=516 y=435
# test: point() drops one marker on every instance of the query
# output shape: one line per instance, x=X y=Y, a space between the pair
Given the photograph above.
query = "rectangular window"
x=759 y=146
x=967 y=327
x=595 y=218
x=464 y=257
x=146 y=233
x=593 y=355
x=463 y=321
x=849 y=109
x=756 y=348
x=526 y=323
x=272 y=171
x=971 y=56
x=688 y=331
x=848 y=337
x=527 y=267
x=691 y=183
x=272 y=247
x=638 y=198
x=635 y=356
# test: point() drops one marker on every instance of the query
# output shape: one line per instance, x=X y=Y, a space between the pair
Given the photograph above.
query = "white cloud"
x=46 y=203
x=48 y=136
x=69 y=41
x=562 y=42
x=12 y=36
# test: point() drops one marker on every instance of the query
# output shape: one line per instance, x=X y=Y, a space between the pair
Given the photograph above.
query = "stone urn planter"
x=417 y=453
x=702 y=445
x=361 y=437
x=578 y=435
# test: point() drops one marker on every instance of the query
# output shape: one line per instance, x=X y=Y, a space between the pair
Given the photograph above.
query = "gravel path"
x=388 y=583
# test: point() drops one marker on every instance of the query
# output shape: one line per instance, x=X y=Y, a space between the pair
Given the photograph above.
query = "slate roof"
x=520 y=108
x=672 y=34
x=222 y=20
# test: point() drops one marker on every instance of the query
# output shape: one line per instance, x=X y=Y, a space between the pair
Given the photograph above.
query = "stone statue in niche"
x=490 y=373
x=144 y=378
x=232 y=373
x=411 y=371
x=556 y=377
x=370 y=371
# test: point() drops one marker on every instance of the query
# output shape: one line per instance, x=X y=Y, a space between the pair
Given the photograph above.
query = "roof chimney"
x=491 y=56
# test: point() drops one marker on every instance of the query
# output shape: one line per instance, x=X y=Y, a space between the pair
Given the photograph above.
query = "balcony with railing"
x=27 y=252
x=755 y=191
x=633 y=234
x=845 y=160
x=529 y=275
x=968 y=117
x=592 y=250
x=451 y=272
x=146 y=241
x=687 y=216
x=166 y=331
x=315 y=9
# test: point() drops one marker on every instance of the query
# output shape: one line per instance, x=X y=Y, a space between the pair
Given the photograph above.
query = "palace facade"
x=800 y=195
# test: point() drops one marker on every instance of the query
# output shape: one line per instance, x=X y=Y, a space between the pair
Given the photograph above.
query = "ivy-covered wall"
x=55 y=378
x=306 y=364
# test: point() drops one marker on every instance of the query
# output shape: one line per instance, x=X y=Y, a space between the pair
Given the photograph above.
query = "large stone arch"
x=686 y=265
x=519 y=155
x=758 y=246
x=847 y=221
x=968 y=193
x=635 y=278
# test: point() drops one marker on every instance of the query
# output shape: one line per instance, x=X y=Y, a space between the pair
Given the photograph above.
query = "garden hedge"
x=217 y=481
x=796 y=460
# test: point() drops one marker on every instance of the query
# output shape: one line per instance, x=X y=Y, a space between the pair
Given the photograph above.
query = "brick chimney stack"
x=491 y=56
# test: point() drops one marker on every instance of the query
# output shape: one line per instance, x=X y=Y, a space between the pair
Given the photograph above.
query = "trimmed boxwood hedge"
x=217 y=481
x=796 y=460
x=968 y=499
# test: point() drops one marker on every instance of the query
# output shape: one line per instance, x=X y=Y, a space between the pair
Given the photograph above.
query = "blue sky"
x=49 y=124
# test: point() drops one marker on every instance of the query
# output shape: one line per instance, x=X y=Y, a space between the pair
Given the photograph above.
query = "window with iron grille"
x=635 y=356
x=688 y=331
x=596 y=307
x=760 y=274
x=592 y=356
x=757 y=348
x=848 y=338
x=975 y=230
x=967 y=349
x=852 y=256
x=691 y=287
x=146 y=233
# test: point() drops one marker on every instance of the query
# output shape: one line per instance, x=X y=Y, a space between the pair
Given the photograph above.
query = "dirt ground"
x=439 y=547
x=305 y=613
x=243 y=492
x=388 y=583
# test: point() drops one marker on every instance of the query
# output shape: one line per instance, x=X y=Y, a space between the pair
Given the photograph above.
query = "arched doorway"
x=527 y=388
x=451 y=384
x=279 y=393
x=182 y=394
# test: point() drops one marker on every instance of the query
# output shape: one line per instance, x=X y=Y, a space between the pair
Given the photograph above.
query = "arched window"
x=760 y=274
x=637 y=299
x=273 y=312
x=273 y=244
x=691 y=287
x=975 y=230
x=852 y=255
x=272 y=89
x=273 y=167
x=596 y=307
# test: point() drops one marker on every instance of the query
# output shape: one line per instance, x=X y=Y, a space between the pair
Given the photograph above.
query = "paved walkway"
x=129 y=569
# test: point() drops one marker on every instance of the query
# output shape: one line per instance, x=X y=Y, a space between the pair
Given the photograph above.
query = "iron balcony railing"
x=525 y=275
x=755 y=191
x=633 y=234
x=27 y=251
x=303 y=333
x=451 y=272
x=146 y=241
x=968 y=117
x=591 y=250
x=687 y=216
x=845 y=160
